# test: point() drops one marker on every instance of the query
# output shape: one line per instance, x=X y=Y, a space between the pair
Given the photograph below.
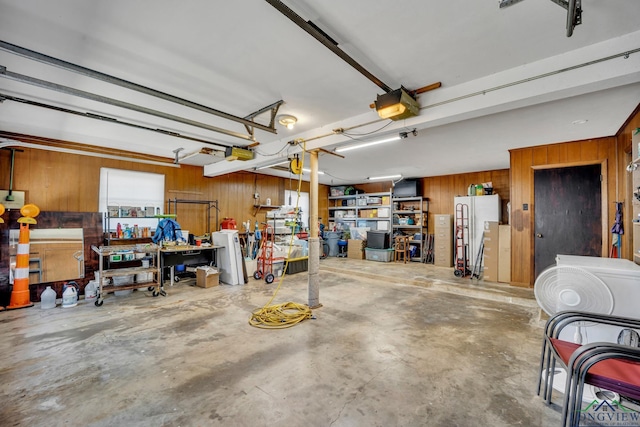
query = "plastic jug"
x=48 y=298
x=70 y=295
x=91 y=291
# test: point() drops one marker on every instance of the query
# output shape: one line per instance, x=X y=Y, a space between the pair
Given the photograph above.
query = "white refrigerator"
x=229 y=258
x=480 y=209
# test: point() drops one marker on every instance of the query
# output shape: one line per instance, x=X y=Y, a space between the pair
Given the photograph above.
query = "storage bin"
x=374 y=200
x=296 y=265
x=381 y=255
x=278 y=268
x=337 y=191
x=377 y=239
x=123 y=281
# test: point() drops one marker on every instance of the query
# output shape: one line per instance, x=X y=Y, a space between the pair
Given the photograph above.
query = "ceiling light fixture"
x=287 y=120
x=271 y=165
x=396 y=105
x=381 y=178
x=367 y=144
x=305 y=170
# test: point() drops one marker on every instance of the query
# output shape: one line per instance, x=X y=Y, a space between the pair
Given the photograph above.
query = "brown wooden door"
x=568 y=213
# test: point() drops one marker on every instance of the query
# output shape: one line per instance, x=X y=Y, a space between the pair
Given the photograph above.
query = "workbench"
x=188 y=255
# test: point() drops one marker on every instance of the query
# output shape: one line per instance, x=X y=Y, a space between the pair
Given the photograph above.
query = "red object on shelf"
x=229 y=224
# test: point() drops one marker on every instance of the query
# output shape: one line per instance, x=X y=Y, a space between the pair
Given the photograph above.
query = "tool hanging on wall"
x=617 y=230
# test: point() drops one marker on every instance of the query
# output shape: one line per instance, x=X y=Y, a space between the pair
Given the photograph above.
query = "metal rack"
x=371 y=210
x=211 y=204
x=154 y=267
x=412 y=209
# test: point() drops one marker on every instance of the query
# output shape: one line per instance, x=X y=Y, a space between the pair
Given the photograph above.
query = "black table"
x=188 y=255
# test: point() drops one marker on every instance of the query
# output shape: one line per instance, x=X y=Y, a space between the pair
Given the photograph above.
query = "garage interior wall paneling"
x=39 y=174
x=70 y=183
x=607 y=151
x=626 y=187
x=440 y=190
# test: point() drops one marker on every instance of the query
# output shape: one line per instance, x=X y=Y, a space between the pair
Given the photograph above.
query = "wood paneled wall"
x=70 y=183
x=440 y=190
x=523 y=163
x=67 y=182
x=624 y=139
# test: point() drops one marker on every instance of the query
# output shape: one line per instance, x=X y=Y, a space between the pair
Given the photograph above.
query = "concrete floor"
x=394 y=345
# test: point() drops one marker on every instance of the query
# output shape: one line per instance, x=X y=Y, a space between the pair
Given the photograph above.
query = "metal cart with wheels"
x=266 y=258
x=462 y=241
x=121 y=253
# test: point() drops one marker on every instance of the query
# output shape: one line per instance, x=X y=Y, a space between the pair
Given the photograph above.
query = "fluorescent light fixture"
x=271 y=165
x=367 y=144
x=305 y=170
x=381 y=178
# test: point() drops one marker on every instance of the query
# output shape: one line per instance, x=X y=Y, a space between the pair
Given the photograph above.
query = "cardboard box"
x=207 y=277
x=355 y=249
x=504 y=249
x=491 y=254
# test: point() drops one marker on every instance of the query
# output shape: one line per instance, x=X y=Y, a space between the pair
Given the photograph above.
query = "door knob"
x=539 y=236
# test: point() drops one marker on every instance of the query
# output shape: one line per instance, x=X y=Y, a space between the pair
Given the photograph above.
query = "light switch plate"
x=18 y=199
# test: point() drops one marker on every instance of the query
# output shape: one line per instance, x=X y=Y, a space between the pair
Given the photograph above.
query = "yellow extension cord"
x=287 y=314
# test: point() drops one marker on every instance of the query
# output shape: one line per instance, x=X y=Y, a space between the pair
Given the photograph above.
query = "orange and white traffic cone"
x=20 y=293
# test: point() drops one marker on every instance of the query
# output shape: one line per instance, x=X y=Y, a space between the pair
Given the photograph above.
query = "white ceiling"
x=510 y=77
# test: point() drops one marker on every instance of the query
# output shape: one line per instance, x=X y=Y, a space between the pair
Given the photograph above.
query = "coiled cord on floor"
x=280 y=316
x=287 y=314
